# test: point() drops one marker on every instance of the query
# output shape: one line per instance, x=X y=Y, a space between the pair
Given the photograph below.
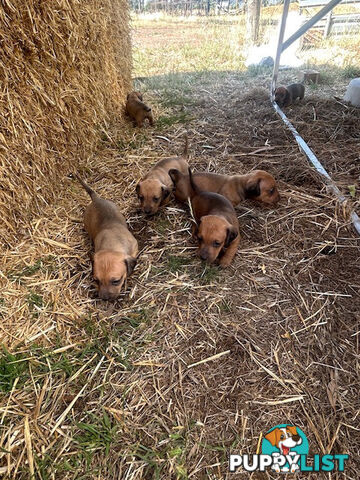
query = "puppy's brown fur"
x=155 y=188
x=286 y=96
x=115 y=247
x=257 y=185
x=137 y=109
x=217 y=228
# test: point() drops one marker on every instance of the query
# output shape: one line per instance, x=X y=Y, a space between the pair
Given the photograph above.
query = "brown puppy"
x=156 y=186
x=115 y=247
x=137 y=110
x=217 y=228
x=286 y=96
x=257 y=185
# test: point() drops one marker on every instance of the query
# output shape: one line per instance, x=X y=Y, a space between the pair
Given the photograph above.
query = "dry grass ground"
x=98 y=390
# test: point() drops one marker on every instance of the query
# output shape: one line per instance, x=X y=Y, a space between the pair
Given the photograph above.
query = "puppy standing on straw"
x=116 y=248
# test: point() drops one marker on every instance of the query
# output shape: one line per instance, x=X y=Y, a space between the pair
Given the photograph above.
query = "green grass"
x=225 y=307
x=35 y=302
x=172 y=119
x=46 y=264
x=351 y=71
x=100 y=434
x=137 y=142
x=176 y=264
x=179 y=95
x=11 y=368
x=143 y=315
x=256 y=70
x=174 y=450
x=190 y=46
x=209 y=274
x=162 y=225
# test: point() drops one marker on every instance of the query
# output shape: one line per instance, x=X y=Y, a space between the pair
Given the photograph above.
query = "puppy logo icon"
x=285 y=441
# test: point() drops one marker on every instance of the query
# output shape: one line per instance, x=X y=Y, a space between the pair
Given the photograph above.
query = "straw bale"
x=64 y=70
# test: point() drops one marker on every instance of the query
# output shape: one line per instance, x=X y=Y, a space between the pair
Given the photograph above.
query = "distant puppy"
x=217 y=229
x=137 y=110
x=156 y=186
x=286 y=96
x=115 y=247
x=257 y=185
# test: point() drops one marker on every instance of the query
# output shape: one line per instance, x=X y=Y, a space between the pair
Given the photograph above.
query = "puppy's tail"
x=89 y=190
x=195 y=189
x=186 y=146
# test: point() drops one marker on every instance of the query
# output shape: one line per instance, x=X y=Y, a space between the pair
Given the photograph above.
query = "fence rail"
x=343 y=23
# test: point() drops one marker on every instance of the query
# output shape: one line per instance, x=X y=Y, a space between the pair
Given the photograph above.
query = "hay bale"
x=64 y=69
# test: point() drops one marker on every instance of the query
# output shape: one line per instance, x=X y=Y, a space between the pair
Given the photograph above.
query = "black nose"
x=147 y=211
x=296 y=438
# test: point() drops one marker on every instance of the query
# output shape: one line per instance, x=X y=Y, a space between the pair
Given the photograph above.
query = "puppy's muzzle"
x=204 y=254
x=148 y=211
x=105 y=295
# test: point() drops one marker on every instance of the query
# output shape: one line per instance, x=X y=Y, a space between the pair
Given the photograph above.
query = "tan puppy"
x=156 y=186
x=137 y=110
x=286 y=96
x=257 y=185
x=217 y=228
x=115 y=247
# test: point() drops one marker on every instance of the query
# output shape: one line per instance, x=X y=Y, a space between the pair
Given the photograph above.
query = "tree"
x=252 y=21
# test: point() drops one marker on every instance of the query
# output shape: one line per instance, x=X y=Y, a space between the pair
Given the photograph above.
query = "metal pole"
x=279 y=50
x=304 y=28
x=313 y=159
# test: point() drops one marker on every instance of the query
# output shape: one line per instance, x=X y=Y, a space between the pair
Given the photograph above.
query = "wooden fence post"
x=328 y=25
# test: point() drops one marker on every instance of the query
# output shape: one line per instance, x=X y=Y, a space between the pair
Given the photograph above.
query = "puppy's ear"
x=195 y=229
x=138 y=189
x=130 y=264
x=231 y=234
x=139 y=95
x=252 y=188
x=272 y=437
x=174 y=174
x=165 y=192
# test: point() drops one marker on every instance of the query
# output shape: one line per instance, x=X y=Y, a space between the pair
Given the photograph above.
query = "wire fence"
x=188 y=7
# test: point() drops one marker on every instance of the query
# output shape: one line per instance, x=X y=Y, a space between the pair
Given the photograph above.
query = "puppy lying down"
x=257 y=185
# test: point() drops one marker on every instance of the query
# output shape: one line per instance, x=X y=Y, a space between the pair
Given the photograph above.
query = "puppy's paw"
x=225 y=262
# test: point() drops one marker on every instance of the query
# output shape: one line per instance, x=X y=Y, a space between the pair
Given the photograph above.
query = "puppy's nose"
x=147 y=210
x=204 y=255
x=296 y=438
x=104 y=295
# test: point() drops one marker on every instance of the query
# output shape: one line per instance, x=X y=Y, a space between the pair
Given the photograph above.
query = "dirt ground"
x=92 y=389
